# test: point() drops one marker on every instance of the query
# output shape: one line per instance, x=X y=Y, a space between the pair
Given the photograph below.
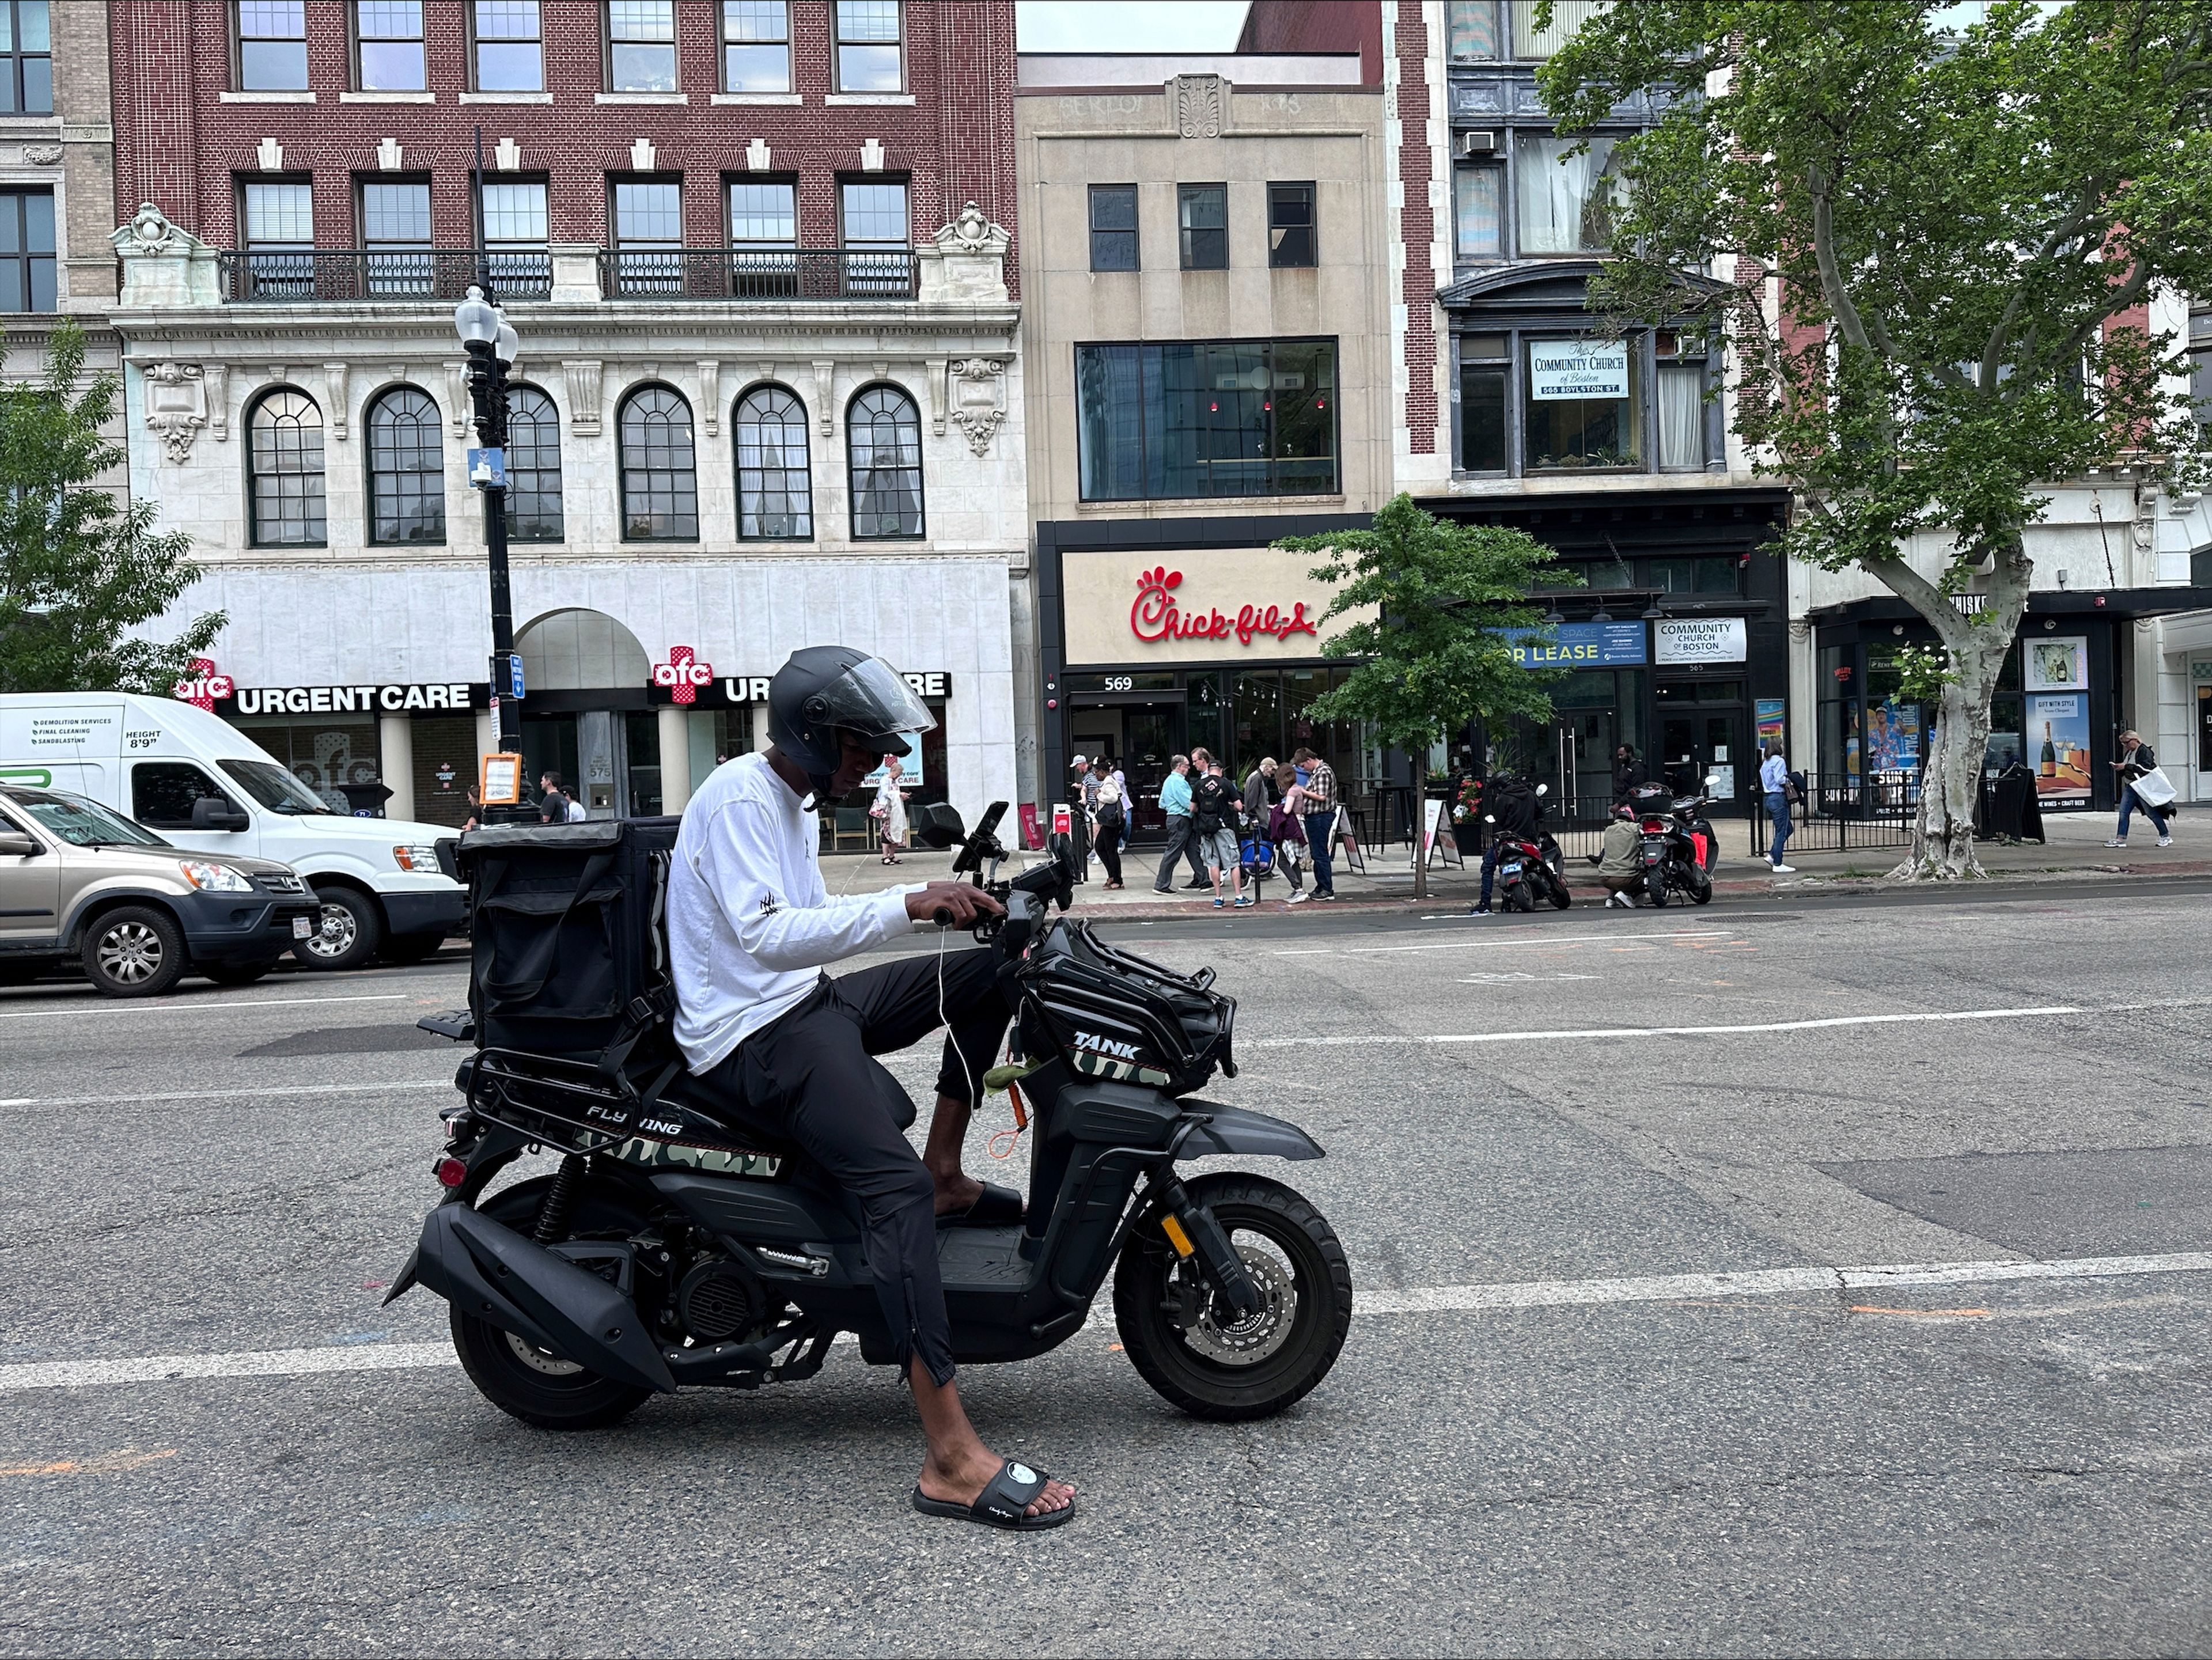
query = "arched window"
x=533 y=466
x=776 y=499
x=882 y=435
x=659 y=481
x=406 y=469
x=284 y=462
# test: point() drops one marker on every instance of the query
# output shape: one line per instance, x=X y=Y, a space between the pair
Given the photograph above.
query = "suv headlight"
x=214 y=878
x=420 y=857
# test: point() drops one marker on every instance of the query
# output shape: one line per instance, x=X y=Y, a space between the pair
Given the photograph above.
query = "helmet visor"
x=871 y=698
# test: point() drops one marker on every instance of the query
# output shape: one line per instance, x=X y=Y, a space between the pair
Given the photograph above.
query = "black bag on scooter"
x=567 y=937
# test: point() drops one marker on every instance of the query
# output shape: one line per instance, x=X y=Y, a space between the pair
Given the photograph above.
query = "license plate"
x=1510 y=869
x=303 y=927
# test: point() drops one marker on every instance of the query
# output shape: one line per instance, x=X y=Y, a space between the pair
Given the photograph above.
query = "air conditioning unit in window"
x=1475 y=143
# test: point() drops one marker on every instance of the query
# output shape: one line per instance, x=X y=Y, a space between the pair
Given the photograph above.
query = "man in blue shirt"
x=1774 y=780
x=1175 y=801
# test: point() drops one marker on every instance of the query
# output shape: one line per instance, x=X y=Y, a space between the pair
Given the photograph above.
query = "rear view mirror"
x=15 y=844
x=1543 y=789
x=937 y=824
x=213 y=813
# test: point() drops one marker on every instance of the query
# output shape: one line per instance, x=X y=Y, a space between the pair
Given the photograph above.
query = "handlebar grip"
x=942 y=916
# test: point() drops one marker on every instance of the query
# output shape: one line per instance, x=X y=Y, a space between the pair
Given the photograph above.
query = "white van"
x=385 y=884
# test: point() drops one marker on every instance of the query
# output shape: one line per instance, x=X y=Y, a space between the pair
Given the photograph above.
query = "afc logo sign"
x=682 y=675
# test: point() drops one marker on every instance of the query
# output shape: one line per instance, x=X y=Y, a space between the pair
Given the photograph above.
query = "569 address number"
x=1120 y=683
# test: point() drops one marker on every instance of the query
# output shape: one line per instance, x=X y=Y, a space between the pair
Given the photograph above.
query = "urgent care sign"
x=1202 y=605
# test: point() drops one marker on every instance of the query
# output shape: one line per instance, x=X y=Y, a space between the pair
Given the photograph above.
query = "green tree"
x=79 y=569
x=1435 y=651
x=1959 y=222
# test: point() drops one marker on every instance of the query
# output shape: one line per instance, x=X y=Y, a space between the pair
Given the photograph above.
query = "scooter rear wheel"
x=1218 y=1367
x=1517 y=897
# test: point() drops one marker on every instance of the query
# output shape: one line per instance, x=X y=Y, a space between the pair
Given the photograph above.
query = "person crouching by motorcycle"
x=789 y=1052
x=1509 y=813
x=1617 y=865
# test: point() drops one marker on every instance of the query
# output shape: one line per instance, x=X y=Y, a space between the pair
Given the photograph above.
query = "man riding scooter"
x=790 y=1052
x=1508 y=808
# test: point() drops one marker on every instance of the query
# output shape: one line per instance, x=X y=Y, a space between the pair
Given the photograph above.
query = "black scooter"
x=1676 y=848
x=667 y=1251
x=1531 y=870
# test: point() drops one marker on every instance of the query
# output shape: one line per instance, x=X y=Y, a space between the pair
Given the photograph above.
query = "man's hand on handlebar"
x=953 y=905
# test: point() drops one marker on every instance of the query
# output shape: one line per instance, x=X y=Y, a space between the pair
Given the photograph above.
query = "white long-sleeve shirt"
x=750 y=923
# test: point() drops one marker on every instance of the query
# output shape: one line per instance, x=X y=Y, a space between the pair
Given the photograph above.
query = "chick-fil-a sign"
x=1155 y=614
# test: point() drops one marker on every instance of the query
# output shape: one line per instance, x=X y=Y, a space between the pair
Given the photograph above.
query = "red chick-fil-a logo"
x=205 y=688
x=683 y=674
x=1155 y=615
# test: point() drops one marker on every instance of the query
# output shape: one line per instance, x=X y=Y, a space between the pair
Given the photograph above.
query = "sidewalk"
x=2074 y=851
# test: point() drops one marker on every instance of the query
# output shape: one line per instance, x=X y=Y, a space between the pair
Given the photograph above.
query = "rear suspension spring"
x=553 y=1214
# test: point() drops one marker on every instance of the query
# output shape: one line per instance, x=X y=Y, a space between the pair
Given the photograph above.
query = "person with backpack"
x=1508 y=813
x=1182 y=840
x=789 y=1054
x=1213 y=810
x=553 y=802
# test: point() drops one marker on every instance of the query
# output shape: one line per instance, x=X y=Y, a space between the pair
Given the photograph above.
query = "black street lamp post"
x=492 y=344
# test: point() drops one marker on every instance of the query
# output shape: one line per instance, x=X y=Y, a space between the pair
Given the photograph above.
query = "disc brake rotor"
x=1248 y=1341
x=541 y=1360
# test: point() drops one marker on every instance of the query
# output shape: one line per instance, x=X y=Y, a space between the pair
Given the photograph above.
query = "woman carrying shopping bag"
x=2142 y=783
x=890 y=812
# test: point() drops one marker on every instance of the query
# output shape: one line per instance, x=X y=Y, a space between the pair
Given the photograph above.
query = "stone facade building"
x=769 y=389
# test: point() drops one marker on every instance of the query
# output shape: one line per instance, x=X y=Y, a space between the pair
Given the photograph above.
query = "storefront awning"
x=2083 y=603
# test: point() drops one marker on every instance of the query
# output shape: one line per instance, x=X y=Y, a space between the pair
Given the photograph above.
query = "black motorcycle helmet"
x=822 y=688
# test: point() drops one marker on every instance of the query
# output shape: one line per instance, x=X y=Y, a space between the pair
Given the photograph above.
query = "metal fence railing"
x=1843 y=813
x=757 y=273
x=339 y=275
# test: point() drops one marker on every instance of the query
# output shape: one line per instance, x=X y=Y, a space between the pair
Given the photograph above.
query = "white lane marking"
x=229 y=1095
x=1660 y=1032
x=1497 y=944
x=201 y=1005
x=1430 y=1299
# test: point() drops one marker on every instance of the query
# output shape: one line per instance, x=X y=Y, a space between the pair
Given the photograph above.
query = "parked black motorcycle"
x=668 y=1250
x=1676 y=848
x=1529 y=870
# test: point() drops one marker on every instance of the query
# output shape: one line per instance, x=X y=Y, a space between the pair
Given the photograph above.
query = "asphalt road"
x=1552 y=1429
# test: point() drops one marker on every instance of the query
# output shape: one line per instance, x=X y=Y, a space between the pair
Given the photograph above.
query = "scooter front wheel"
x=1189 y=1345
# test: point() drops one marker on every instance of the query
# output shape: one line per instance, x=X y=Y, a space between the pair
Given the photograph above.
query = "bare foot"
x=972 y=1472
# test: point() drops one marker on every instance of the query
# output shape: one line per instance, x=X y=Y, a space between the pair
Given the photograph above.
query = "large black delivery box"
x=570 y=953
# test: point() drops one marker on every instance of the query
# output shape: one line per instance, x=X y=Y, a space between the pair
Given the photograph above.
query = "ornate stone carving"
x=978 y=406
x=933 y=372
x=217 y=379
x=43 y=156
x=269 y=156
x=176 y=406
x=389 y=156
x=336 y=401
x=457 y=401
x=149 y=232
x=1198 y=105
x=825 y=395
x=710 y=397
x=966 y=260
x=507 y=156
x=584 y=377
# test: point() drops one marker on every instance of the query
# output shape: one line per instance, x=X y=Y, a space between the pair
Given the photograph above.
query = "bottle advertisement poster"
x=2058 y=746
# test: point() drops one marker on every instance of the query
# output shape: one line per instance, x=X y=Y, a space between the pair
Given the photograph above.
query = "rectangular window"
x=1474 y=31
x=764 y=238
x=2200 y=386
x=1580 y=406
x=1485 y=367
x=641 y=46
x=1682 y=416
x=1202 y=216
x=272 y=46
x=1112 y=227
x=756 y=45
x=1479 y=213
x=1206 y=418
x=280 y=238
x=515 y=233
x=395 y=231
x=873 y=230
x=1291 y=225
x=388 y=45
x=649 y=236
x=1706 y=575
x=1566 y=200
x=1531 y=43
x=27 y=250
x=510 y=46
x=27 y=63
x=868 y=49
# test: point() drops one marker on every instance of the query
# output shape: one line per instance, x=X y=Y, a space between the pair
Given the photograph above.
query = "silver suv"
x=78 y=880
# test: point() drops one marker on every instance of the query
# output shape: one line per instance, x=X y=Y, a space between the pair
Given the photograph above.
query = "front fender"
x=1235 y=1130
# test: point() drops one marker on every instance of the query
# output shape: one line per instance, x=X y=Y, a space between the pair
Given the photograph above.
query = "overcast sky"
x=1127 y=25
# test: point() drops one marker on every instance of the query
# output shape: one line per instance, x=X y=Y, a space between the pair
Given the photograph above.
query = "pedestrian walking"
x=552 y=800
x=2143 y=784
x=1113 y=817
x=1183 y=839
x=1617 y=865
x=889 y=811
x=1119 y=779
x=1319 y=818
x=1774 y=779
x=1085 y=792
x=1213 y=809
x=1260 y=792
x=1286 y=829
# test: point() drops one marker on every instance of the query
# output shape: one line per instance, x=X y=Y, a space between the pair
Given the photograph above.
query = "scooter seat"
x=690 y=1093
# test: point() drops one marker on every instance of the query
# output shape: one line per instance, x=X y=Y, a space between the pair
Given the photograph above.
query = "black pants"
x=809 y=1077
x=1109 y=850
x=1181 y=843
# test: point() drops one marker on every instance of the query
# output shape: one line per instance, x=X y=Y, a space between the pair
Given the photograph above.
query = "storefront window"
x=1248 y=417
x=337 y=758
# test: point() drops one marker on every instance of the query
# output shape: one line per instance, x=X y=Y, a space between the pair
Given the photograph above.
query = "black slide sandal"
x=1003 y=1503
x=995 y=1207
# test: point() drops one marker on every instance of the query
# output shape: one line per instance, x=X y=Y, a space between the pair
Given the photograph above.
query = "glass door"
x=1694 y=743
x=1151 y=735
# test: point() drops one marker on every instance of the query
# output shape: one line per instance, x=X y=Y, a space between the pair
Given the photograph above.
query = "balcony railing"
x=757 y=273
x=310 y=275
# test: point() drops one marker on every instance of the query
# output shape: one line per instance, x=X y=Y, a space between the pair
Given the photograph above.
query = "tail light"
x=450 y=1173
